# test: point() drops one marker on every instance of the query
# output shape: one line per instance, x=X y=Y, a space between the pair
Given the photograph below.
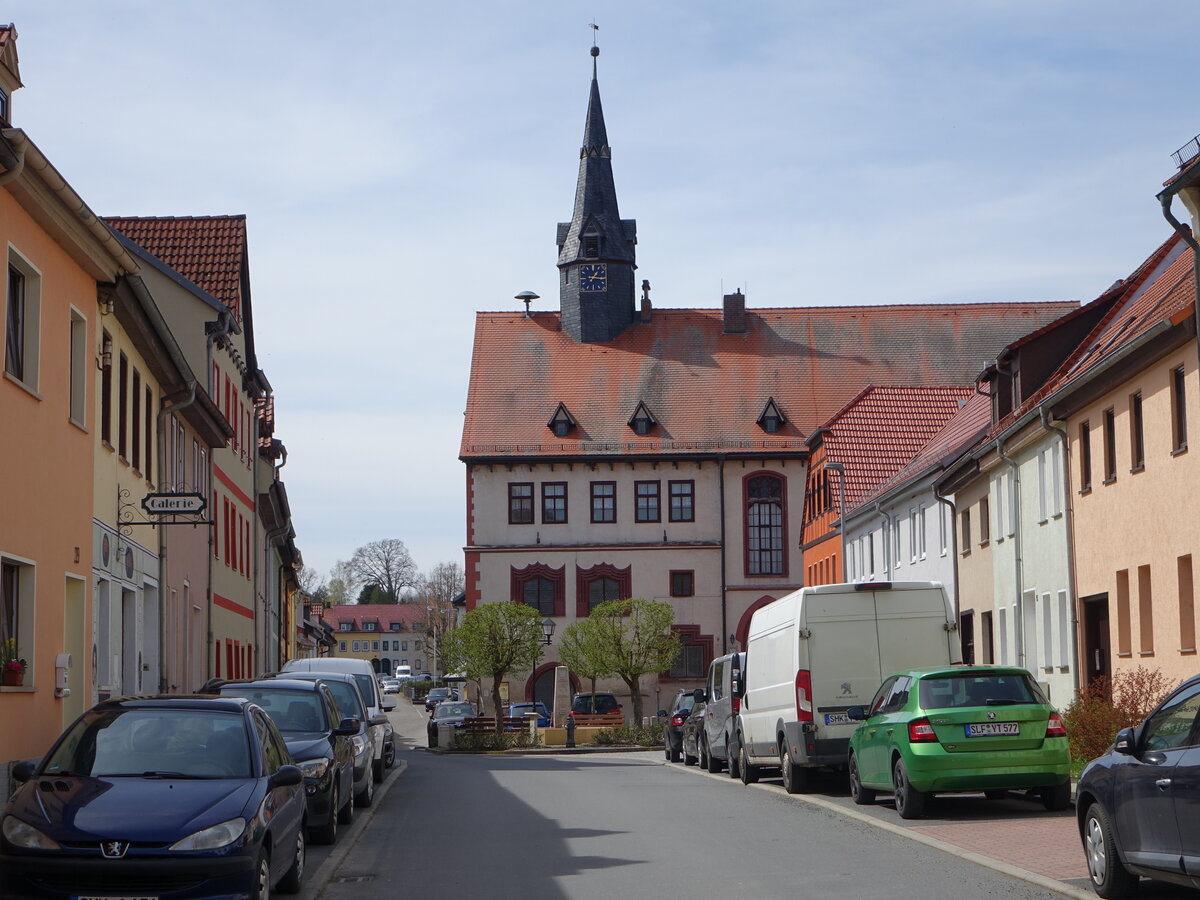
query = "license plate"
x=990 y=729
x=837 y=719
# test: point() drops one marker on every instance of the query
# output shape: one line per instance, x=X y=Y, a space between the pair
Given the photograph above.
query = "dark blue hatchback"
x=177 y=797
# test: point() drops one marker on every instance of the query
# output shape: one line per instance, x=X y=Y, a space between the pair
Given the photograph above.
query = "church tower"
x=596 y=258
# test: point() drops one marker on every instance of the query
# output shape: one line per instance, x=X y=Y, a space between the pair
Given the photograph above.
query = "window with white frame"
x=943 y=529
x=912 y=535
x=1047 y=633
x=1064 y=631
x=22 y=321
x=1003 y=634
x=870 y=554
x=921 y=531
x=1056 y=473
x=896 y=538
x=79 y=364
x=16 y=606
x=1043 y=485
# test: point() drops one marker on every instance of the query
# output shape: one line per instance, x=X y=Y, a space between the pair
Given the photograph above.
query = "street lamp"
x=547 y=631
x=841 y=470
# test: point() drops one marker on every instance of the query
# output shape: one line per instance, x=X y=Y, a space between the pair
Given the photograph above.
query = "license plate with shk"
x=837 y=719
x=991 y=729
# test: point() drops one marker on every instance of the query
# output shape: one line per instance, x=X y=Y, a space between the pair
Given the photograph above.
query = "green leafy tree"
x=581 y=649
x=493 y=640
x=636 y=639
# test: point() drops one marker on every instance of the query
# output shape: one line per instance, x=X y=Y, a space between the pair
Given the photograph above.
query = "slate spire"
x=596 y=257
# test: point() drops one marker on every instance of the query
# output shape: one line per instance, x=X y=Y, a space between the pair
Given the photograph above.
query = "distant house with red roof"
x=616 y=450
x=387 y=635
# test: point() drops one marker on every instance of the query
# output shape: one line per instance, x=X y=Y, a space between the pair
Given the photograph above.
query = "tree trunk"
x=497 y=711
x=635 y=697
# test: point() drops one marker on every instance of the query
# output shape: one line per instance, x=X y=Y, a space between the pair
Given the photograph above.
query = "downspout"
x=887 y=550
x=215 y=330
x=17 y=138
x=724 y=551
x=952 y=536
x=1015 y=512
x=275 y=662
x=166 y=409
x=1068 y=515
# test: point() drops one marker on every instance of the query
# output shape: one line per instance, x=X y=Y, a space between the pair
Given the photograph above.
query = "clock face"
x=593 y=277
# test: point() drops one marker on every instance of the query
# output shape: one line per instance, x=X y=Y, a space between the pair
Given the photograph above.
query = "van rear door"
x=913 y=631
x=843 y=655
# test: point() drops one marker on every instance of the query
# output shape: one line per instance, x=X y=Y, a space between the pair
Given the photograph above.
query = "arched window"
x=765 y=532
x=540 y=587
x=599 y=584
x=539 y=593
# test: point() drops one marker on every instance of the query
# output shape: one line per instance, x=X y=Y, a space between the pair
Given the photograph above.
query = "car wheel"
x=377 y=770
x=389 y=755
x=732 y=762
x=1056 y=798
x=688 y=760
x=327 y=833
x=910 y=802
x=262 y=877
x=748 y=771
x=346 y=813
x=711 y=762
x=795 y=778
x=859 y=794
x=293 y=879
x=366 y=796
x=1110 y=878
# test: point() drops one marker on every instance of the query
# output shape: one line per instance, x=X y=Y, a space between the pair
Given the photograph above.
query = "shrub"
x=1101 y=708
x=481 y=743
x=631 y=736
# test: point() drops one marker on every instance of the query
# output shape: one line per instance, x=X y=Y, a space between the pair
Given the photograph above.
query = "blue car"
x=179 y=796
x=520 y=710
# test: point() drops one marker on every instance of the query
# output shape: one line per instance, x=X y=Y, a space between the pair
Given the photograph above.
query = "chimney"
x=646 y=310
x=735 y=313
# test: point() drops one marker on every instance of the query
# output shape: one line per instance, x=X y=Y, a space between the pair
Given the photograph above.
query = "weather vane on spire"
x=595 y=50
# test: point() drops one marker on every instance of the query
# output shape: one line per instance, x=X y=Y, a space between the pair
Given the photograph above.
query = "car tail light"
x=677 y=721
x=921 y=732
x=737 y=702
x=1055 y=726
x=804 y=706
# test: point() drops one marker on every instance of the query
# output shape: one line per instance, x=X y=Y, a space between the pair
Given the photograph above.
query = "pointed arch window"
x=766 y=535
x=771 y=419
x=642 y=422
x=598 y=584
x=540 y=587
x=561 y=423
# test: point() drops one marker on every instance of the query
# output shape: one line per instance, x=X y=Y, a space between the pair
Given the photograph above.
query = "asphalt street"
x=597 y=825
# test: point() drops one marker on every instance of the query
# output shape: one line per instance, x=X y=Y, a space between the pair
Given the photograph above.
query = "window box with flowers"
x=12 y=666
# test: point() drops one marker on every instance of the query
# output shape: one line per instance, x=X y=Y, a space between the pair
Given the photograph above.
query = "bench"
x=598 y=720
x=487 y=724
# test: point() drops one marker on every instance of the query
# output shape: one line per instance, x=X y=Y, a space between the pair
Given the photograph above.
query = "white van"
x=378 y=703
x=818 y=651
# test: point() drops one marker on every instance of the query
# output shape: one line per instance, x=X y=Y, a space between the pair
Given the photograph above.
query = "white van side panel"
x=905 y=621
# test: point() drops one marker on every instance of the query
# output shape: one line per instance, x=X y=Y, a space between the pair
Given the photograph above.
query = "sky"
x=403 y=165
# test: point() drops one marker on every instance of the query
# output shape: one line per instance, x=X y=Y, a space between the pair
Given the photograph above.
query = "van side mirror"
x=857 y=713
x=1125 y=742
x=699 y=696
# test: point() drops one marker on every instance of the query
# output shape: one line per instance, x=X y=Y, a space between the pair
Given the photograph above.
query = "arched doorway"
x=743 y=626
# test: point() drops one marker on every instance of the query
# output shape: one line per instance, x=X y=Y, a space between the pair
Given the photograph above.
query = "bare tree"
x=388 y=564
x=310 y=580
x=444 y=582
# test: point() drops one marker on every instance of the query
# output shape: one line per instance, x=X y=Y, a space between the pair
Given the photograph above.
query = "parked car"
x=723 y=697
x=681 y=710
x=448 y=712
x=526 y=707
x=437 y=695
x=1136 y=804
x=958 y=728
x=814 y=653
x=599 y=703
x=166 y=793
x=349 y=699
x=318 y=738
x=391 y=685
x=377 y=702
x=692 y=734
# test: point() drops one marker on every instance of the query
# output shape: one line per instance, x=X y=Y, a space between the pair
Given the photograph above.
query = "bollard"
x=532 y=719
x=569 y=724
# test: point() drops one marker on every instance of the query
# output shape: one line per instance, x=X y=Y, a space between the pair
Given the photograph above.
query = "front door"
x=1096 y=662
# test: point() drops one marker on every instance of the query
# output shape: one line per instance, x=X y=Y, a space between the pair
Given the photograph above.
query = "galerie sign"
x=174 y=504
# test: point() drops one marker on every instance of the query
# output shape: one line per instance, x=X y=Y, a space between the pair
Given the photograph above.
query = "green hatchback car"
x=957 y=729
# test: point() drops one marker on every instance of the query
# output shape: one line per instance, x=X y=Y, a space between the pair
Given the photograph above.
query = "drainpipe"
x=166 y=409
x=1068 y=517
x=220 y=328
x=724 y=551
x=953 y=548
x=887 y=550
x=18 y=140
x=1015 y=512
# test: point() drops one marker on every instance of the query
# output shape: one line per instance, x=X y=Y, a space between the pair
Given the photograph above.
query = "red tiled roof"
x=955 y=437
x=884 y=428
x=210 y=251
x=385 y=614
x=707 y=389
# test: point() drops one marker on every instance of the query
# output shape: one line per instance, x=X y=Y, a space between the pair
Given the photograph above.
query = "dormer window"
x=642 y=422
x=4 y=114
x=591 y=246
x=771 y=419
x=561 y=423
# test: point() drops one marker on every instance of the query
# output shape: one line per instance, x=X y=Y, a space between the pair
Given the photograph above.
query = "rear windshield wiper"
x=1007 y=702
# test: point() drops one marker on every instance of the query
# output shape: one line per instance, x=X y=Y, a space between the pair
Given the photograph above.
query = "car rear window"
x=349 y=701
x=1000 y=689
x=291 y=711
